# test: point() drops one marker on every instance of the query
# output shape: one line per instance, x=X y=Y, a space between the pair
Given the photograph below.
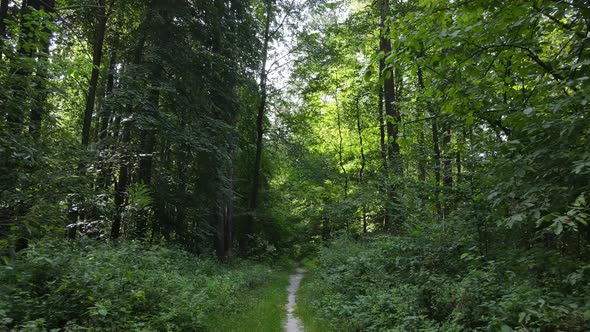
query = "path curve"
x=293 y=324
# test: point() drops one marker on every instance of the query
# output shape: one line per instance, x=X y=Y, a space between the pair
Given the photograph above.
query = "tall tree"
x=102 y=17
x=261 y=106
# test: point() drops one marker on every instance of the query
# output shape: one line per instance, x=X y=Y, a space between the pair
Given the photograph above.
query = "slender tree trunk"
x=105 y=122
x=90 y=100
x=436 y=166
x=261 y=109
x=363 y=162
x=422 y=157
x=393 y=118
x=3 y=16
x=458 y=165
x=122 y=183
x=383 y=147
x=96 y=63
x=28 y=39
x=107 y=110
x=124 y=178
x=341 y=161
x=447 y=158
x=147 y=146
x=15 y=116
x=148 y=138
x=421 y=139
x=389 y=91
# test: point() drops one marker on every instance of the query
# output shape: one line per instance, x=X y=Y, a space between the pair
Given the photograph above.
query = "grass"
x=263 y=309
x=305 y=309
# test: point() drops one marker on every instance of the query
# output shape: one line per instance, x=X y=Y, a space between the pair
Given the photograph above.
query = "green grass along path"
x=270 y=308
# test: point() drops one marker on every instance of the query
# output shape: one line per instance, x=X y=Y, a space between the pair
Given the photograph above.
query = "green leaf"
x=558 y=228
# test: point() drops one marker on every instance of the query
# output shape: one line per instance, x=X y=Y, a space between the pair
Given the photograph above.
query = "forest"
x=166 y=165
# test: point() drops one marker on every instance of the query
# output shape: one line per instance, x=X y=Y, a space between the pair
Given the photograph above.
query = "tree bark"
x=341 y=161
x=122 y=183
x=447 y=168
x=3 y=16
x=363 y=162
x=421 y=139
x=392 y=116
x=383 y=147
x=147 y=146
x=39 y=109
x=447 y=157
x=124 y=179
x=261 y=110
x=107 y=111
x=96 y=63
x=436 y=166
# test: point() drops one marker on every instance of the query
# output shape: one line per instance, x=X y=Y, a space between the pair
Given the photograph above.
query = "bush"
x=410 y=284
x=116 y=288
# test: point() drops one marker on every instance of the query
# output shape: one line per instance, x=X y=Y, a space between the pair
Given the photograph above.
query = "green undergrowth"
x=262 y=309
x=130 y=287
x=409 y=284
x=306 y=309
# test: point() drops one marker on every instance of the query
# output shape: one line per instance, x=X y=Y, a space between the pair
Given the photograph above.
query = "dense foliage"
x=132 y=121
x=454 y=133
x=460 y=127
x=125 y=288
x=416 y=284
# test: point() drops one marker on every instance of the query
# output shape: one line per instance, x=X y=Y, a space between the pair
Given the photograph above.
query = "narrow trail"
x=293 y=324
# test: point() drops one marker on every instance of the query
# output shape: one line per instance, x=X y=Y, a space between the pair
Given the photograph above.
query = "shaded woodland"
x=429 y=160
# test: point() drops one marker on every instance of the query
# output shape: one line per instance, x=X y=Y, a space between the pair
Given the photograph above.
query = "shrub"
x=116 y=288
x=403 y=283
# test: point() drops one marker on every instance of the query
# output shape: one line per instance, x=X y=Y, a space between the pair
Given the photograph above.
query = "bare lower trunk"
x=121 y=185
x=436 y=166
x=341 y=161
x=363 y=161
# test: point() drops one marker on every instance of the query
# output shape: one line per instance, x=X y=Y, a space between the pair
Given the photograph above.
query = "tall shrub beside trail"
x=412 y=283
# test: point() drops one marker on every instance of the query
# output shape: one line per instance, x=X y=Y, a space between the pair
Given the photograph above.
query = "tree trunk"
x=383 y=147
x=363 y=162
x=447 y=157
x=436 y=166
x=447 y=168
x=124 y=179
x=39 y=108
x=392 y=116
x=27 y=40
x=147 y=145
x=96 y=62
x=148 y=136
x=3 y=16
x=107 y=111
x=122 y=183
x=421 y=138
x=389 y=92
x=341 y=161
x=261 y=109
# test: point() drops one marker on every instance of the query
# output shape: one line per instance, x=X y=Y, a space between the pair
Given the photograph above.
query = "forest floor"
x=293 y=324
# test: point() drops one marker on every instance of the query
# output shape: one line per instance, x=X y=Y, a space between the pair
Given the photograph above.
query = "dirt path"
x=293 y=324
